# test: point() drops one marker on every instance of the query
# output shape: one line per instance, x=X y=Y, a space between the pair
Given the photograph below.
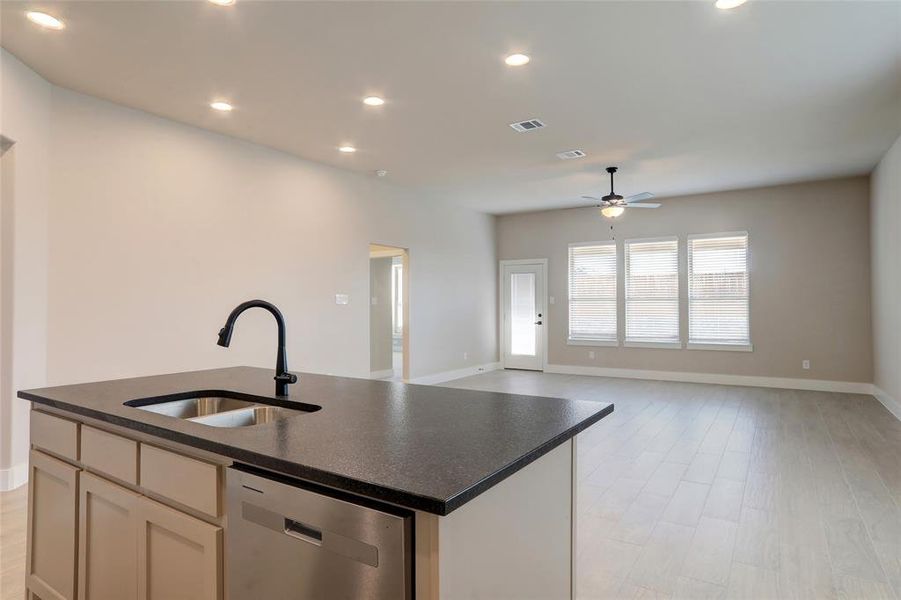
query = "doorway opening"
x=523 y=307
x=389 y=310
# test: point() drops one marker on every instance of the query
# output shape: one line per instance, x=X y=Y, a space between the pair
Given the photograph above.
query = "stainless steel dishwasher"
x=287 y=542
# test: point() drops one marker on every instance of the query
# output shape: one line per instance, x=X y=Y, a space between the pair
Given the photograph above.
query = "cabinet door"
x=179 y=556
x=52 y=527
x=107 y=540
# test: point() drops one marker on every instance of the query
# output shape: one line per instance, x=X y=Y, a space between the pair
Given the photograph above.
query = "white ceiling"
x=683 y=97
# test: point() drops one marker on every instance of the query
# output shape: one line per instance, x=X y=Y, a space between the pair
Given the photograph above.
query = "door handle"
x=538 y=322
x=304 y=532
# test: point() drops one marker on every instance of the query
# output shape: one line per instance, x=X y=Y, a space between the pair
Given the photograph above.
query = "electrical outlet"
x=552 y=300
x=466 y=356
x=342 y=299
x=805 y=364
x=591 y=354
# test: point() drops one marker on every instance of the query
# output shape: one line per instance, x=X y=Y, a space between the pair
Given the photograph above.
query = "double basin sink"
x=223 y=408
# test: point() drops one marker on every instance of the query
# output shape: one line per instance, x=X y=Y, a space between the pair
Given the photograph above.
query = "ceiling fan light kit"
x=613 y=205
x=611 y=212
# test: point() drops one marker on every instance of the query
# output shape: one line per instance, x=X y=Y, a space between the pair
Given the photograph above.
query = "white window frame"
x=584 y=342
x=749 y=347
x=675 y=345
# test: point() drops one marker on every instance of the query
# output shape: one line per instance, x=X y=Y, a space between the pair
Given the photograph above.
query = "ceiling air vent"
x=570 y=154
x=527 y=125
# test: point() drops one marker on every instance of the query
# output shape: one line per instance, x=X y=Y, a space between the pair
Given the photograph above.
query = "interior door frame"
x=405 y=282
x=502 y=302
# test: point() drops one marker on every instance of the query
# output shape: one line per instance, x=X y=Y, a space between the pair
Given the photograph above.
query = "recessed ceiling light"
x=517 y=60
x=347 y=149
x=223 y=2
x=221 y=106
x=727 y=4
x=381 y=173
x=45 y=20
x=373 y=101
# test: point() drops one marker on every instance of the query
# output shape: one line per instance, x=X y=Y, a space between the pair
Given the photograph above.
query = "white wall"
x=885 y=219
x=158 y=229
x=25 y=117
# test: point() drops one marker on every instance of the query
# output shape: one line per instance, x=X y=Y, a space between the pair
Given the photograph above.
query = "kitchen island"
x=482 y=482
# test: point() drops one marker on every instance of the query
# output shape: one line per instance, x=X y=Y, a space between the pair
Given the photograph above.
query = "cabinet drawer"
x=55 y=435
x=188 y=481
x=111 y=454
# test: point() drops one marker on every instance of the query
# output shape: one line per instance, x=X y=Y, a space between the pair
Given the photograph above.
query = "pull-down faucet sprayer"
x=282 y=376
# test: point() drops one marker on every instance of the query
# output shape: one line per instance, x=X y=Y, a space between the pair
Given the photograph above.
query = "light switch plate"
x=552 y=300
x=342 y=299
x=374 y=300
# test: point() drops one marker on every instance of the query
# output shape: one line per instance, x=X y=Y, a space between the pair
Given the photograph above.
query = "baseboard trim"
x=818 y=385
x=381 y=374
x=13 y=477
x=455 y=374
x=887 y=401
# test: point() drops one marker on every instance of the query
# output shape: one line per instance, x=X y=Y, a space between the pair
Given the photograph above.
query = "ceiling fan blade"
x=592 y=198
x=638 y=197
x=651 y=205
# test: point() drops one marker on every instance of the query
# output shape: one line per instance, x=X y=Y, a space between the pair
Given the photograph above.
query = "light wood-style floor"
x=704 y=491
x=707 y=491
x=12 y=543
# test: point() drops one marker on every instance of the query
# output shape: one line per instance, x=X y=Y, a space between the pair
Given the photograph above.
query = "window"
x=652 y=292
x=592 y=293
x=718 y=298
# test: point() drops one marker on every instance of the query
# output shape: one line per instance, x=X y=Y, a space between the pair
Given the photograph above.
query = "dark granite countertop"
x=427 y=448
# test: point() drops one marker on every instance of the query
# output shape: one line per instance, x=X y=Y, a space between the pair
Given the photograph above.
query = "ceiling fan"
x=613 y=205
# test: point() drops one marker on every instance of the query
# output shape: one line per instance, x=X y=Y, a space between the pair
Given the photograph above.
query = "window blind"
x=592 y=292
x=718 y=295
x=652 y=291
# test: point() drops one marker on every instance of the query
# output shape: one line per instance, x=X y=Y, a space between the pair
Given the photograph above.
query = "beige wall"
x=158 y=229
x=886 y=253
x=381 y=353
x=25 y=118
x=810 y=277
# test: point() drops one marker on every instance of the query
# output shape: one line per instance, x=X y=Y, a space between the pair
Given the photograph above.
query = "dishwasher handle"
x=303 y=532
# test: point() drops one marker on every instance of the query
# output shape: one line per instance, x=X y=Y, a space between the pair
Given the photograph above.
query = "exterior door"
x=524 y=313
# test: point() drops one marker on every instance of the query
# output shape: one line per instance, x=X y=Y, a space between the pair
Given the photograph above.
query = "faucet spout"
x=282 y=377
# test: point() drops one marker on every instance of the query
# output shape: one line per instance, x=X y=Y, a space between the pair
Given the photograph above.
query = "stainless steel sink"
x=244 y=417
x=223 y=409
x=190 y=408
